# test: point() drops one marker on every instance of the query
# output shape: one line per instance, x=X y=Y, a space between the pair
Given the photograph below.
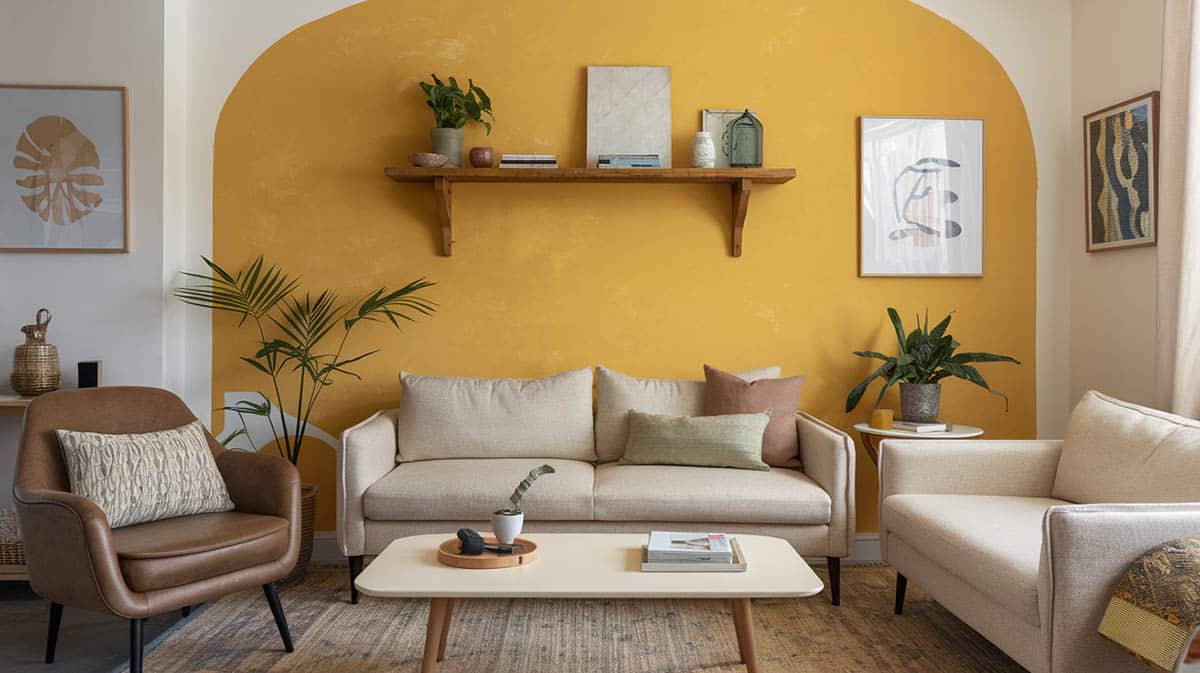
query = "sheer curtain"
x=1178 y=358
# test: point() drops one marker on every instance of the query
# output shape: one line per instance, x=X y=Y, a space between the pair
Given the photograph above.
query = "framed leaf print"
x=921 y=197
x=1121 y=174
x=64 y=180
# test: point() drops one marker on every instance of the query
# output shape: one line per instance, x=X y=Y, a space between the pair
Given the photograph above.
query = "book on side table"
x=692 y=552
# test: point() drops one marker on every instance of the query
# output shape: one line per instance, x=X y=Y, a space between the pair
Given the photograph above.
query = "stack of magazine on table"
x=692 y=553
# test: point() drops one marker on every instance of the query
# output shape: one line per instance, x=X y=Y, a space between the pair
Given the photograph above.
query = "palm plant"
x=926 y=356
x=292 y=330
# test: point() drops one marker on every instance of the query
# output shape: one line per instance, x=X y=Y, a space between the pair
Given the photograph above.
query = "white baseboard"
x=326 y=549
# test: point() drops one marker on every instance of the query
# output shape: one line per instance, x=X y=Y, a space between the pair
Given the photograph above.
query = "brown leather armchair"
x=138 y=571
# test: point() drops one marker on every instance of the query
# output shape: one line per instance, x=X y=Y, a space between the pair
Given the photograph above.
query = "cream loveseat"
x=455 y=448
x=1025 y=541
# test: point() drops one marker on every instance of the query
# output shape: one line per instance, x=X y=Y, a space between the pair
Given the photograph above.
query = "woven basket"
x=308 y=513
x=12 y=550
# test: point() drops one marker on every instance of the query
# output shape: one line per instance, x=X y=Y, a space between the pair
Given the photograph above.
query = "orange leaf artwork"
x=62 y=170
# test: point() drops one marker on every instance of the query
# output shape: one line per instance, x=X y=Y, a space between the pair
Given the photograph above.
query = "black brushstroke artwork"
x=921 y=193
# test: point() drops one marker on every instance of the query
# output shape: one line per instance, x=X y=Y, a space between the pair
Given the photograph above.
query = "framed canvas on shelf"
x=1120 y=174
x=717 y=123
x=64 y=178
x=921 y=196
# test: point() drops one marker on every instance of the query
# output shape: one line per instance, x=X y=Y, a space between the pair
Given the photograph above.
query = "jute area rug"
x=622 y=636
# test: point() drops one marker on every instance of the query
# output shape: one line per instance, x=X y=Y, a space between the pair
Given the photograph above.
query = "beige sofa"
x=453 y=451
x=1026 y=540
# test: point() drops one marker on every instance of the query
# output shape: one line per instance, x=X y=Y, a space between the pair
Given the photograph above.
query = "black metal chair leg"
x=135 y=645
x=356 y=565
x=901 y=586
x=277 y=612
x=835 y=579
x=52 y=634
x=187 y=610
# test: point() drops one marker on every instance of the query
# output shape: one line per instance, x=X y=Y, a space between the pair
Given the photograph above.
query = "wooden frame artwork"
x=65 y=149
x=921 y=197
x=1120 y=174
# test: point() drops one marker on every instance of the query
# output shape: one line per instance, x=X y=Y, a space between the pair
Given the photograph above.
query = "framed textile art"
x=921 y=197
x=1120 y=174
x=64 y=180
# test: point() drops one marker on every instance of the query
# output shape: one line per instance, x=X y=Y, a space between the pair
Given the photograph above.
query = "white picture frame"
x=716 y=122
x=64 y=172
x=921 y=206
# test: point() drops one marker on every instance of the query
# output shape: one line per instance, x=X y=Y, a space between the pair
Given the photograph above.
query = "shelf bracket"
x=741 y=203
x=441 y=189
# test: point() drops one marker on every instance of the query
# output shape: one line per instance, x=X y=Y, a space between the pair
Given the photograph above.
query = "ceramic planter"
x=919 y=402
x=507 y=525
x=450 y=143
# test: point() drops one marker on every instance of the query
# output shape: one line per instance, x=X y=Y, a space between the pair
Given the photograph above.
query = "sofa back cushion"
x=449 y=417
x=1115 y=451
x=617 y=394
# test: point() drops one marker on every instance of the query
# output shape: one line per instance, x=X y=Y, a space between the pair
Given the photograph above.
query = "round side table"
x=871 y=436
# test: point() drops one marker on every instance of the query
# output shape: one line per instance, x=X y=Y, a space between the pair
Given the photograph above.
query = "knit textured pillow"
x=146 y=477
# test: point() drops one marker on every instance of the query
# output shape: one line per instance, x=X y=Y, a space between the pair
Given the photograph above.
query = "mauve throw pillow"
x=725 y=393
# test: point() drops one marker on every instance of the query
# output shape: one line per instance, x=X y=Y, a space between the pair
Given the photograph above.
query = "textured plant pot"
x=448 y=142
x=919 y=402
x=507 y=526
x=308 y=512
x=482 y=157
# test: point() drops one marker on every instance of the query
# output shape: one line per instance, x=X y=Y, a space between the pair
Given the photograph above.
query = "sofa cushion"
x=449 y=417
x=471 y=489
x=992 y=542
x=708 y=494
x=1115 y=451
x=730 y=440
x=183 y=550
x=617 y=393
x=725 y=393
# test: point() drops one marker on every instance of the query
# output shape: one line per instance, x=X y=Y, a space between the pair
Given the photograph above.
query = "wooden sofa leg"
x=835 y=579
x=356 y=564
x=52 y=634
x=901 y=586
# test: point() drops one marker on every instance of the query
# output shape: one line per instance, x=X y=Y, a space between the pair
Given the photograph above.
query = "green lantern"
x=745 y=141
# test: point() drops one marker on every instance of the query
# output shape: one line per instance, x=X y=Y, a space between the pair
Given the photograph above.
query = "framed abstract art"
x=63 y=169
x=1120 y=174
x=921 y=197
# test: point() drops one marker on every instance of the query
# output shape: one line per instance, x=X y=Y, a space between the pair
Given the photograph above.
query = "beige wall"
x=1116 y=50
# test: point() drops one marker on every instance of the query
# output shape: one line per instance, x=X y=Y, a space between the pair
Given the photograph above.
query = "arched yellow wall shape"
x=550 y=277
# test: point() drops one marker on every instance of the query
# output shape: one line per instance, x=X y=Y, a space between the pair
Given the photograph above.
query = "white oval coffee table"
x=870 y=443
x=584 y=565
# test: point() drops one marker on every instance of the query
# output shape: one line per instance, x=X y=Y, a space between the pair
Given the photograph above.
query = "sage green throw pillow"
x=730 y=440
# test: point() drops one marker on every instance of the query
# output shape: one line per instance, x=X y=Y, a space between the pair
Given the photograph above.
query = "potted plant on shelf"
x=452 y=109
x=292 y=331
x=926 y=357
x=507 y=522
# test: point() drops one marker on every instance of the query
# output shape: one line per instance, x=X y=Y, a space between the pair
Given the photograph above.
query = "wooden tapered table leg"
x=743 y=623
x=433 y=634
x=449 y=610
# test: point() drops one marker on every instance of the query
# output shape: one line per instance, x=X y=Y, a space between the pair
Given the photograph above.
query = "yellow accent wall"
x=546 y=278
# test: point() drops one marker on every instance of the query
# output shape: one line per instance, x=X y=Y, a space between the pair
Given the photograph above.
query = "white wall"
x=1116 y=53
x=105 y=306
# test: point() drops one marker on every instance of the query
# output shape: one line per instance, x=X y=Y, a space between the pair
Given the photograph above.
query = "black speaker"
x=89 y=374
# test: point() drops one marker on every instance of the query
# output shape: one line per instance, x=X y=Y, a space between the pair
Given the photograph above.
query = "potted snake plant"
x=507 y=522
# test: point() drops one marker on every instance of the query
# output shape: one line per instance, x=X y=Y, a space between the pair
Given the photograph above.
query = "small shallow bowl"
x=428 y=159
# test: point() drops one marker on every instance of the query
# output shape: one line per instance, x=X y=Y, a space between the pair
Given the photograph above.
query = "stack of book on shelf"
x=629 y=161
x=667 y=552
x=914 y=426
x=528 y=161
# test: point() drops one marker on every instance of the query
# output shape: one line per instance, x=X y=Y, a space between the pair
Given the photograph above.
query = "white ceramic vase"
x=704 y=151
x=507 y=526
x=450 y=143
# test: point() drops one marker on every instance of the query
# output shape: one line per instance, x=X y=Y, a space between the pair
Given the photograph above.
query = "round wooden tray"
x=448 y=555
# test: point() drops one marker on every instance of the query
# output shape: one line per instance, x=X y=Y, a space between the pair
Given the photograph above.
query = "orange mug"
x=881 y=419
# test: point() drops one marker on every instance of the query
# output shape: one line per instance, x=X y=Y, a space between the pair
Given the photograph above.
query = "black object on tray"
x=472 y=544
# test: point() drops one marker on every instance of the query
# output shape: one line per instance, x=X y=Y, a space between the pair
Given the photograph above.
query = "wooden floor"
x=622 y=636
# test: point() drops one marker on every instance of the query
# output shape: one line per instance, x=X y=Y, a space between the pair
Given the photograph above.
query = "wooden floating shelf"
x=740 y=181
